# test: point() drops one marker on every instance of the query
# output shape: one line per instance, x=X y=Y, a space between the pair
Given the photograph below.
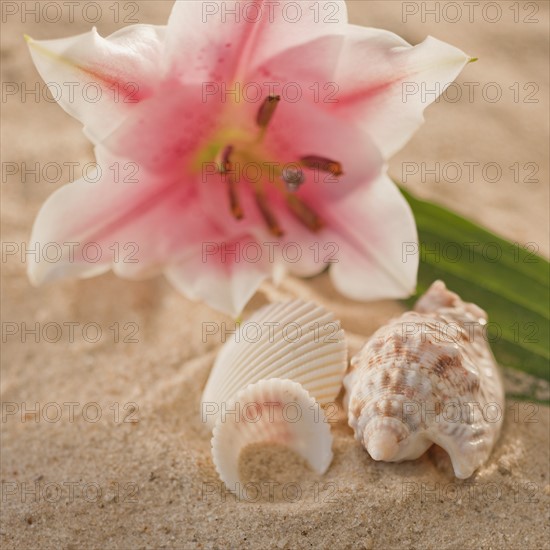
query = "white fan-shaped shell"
x=271 y=411
x=428 y=377
x=294 y=340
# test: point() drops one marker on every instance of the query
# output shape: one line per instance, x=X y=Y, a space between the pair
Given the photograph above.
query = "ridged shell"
x=271 y=411
x=411 y=384
x=297 y=340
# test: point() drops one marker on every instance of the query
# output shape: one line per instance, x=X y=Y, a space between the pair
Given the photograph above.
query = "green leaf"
x=508 y=280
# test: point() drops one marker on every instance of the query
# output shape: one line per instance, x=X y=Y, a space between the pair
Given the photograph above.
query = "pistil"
x=293 y=178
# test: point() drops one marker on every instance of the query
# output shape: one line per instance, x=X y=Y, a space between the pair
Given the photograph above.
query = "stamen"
x=224 y=162
x=236 y=208
x=226 y=169
x=293 y=177
x=321 y=163
x=267 y=214
x=304 y=213
x=267 y=110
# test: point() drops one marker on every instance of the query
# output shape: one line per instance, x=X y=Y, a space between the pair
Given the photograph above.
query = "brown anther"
x=304 y=213
x=267 y=214
x=267 y=110
x=321 y=163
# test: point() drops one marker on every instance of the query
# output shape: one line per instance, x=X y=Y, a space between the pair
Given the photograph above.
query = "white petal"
x=98 y=80
x=386 y=84
x=61 y=254
x=226 y=286
x=378 y=256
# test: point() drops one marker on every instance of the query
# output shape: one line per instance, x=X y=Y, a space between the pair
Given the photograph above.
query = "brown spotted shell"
x=428 y=377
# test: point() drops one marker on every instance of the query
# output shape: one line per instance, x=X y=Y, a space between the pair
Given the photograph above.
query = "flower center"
x=236 y=150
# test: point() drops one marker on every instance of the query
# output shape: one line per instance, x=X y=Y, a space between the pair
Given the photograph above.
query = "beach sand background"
x=139 y=473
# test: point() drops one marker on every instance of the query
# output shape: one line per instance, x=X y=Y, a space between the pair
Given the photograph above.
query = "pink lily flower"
x=239 y=142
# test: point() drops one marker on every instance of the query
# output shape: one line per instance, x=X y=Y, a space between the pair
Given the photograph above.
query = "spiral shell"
x=428 y=377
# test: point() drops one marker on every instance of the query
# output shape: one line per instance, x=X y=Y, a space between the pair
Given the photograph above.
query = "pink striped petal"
x=136 y=225
x=223 y=40
x=370 y=77
x=386 y=83
x=166 y=131
x=220 y=276
x=99 y=80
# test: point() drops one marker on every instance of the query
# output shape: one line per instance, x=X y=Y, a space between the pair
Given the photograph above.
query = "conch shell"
x=428 y=377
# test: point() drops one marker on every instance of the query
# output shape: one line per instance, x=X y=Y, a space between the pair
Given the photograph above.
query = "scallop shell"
x=428 y=377
x=274 y=411
x=294 y=340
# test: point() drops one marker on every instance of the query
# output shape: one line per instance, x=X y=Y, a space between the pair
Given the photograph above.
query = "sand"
x=141 y=475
